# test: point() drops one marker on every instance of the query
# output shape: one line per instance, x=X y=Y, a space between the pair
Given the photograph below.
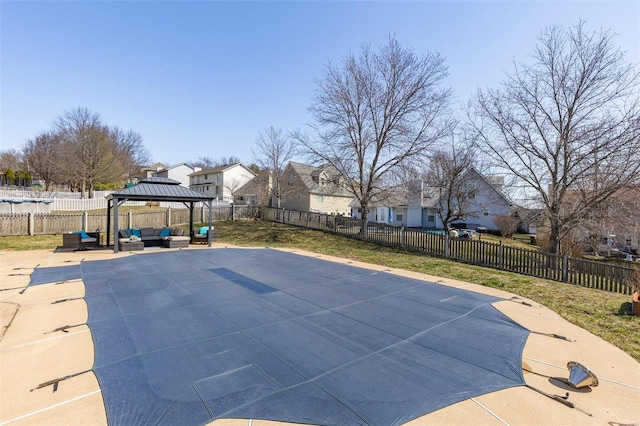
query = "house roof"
x=307 y=173
x=159 y=189
x=220 y=169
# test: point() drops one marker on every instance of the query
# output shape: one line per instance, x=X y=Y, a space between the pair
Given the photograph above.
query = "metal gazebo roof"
x=154 y=189
x=159 y=189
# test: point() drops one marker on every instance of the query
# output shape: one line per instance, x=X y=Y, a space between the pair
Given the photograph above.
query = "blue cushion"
x=204 y=230
x=165 y=232
x=83 y=234
x=136 y=232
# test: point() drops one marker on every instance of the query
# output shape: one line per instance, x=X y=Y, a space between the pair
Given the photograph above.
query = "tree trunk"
x=554 y=236
x=364 y=221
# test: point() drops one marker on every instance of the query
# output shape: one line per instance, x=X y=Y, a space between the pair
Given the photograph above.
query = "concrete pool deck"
x=42 y=341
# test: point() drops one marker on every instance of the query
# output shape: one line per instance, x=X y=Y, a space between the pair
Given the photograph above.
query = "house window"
x=319 y=198
x=207 y=187
x=217 y=190
x=205 y=177
x=486 y=211
x=399 y=217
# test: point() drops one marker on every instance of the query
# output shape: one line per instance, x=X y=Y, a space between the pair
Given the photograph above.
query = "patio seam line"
x=51 y=407
x=44 y=340
x=489 y=411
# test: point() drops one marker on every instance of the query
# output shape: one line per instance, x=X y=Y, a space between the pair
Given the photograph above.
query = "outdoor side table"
x=132 y=246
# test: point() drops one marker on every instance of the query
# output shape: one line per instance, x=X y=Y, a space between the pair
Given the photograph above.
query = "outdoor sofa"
x=155 y=237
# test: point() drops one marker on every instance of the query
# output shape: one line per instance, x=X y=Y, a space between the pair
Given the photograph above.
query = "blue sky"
x=202 y=78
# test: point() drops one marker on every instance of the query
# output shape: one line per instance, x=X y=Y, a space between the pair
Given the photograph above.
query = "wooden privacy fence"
x=52 y=224
x=586 y=273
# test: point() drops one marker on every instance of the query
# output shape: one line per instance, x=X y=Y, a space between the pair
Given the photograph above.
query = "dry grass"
x=604 y=314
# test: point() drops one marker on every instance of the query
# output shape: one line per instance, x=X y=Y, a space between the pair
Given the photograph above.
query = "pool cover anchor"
x=561 y=399
x=64 y=328
x=554 y=335
x=55 y=382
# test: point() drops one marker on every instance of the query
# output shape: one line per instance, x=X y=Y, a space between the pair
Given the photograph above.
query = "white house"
x=179 y=172
x=418 y=205
x=221 y=182
x=395 y=207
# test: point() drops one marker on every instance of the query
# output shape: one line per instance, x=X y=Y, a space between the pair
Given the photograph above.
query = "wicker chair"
x=75 y=241
x=197 y=237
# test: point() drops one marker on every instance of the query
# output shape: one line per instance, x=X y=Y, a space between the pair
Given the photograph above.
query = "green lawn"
x=604 y=314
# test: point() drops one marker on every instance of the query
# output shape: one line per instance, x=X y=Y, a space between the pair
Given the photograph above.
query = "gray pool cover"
x=184 y=337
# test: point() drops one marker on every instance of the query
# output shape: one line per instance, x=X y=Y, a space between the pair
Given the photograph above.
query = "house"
x=256 y=192
x=221 y=182
x=483 y=200
x=179 y=172
x=146 y=172
x=418 y=205
x=393 y=207
x=319 y=189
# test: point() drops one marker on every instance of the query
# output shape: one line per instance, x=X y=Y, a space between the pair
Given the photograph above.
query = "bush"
x=506 y=225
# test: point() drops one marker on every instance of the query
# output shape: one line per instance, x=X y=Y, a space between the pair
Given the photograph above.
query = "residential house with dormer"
x=320 y=189
x=221 y=182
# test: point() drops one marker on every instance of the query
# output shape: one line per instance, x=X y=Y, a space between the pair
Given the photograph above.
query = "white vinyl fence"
x=71 y=201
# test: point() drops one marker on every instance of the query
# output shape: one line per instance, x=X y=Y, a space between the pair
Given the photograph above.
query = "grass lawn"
x=604 y=314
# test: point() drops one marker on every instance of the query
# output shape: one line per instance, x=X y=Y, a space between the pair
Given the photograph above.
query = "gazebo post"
x=108 y=222
x=210 y=223
x=115 y=225
x=191 y=222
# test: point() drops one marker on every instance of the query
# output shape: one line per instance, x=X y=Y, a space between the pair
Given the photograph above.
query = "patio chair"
x=199 y=235
x=79 y=240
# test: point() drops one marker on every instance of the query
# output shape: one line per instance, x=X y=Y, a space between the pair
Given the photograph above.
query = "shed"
x=155 y=189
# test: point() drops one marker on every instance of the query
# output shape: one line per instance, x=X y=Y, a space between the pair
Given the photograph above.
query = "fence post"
x=283 y=215
x=233 y=211
x=446 y=244
x=402 y=241
x=169 y=217
x=129 y=220
x=565 y=268
x=32 y=224
x=501 y=260
x=85 y=221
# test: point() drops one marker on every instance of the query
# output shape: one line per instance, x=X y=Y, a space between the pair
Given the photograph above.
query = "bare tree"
x=128 y=151
x=450 y=179
x=11 y=159
x=44 y=159
x=272 y=153
x=208 y=162
x=375 y=113
x=94 y=153
x=566 y=125
x=232 y=186
x=85 y=139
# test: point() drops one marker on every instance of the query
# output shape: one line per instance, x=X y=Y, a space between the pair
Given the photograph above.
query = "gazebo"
x=155 y=189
